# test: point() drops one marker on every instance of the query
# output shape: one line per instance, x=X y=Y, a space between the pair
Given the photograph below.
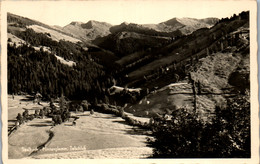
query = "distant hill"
x=126 y=42
x=129 y=38
x=93 y=29
x=88 y=31
x=185 y=25
x=138 y=28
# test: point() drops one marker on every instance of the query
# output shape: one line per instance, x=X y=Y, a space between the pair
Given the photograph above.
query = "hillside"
x=186 y=49
x=217 y=58
x=125 y=42
x=17 y=23
x=43 y=59
x=57 y=36
x=221 y=76
x=128 y=38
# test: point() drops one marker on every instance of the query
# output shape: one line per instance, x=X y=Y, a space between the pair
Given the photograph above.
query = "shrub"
x=19 y=118
x=41 y=113
x=177 y=137
x=84 y=104
x=57 y=119
x=80 y=108
x=31 y=117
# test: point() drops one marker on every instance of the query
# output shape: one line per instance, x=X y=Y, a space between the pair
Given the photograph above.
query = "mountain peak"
x=124 y=23
x=75 y=23
x=92 y=23
x=186 y=21
x=88 y=31
x=173 y=22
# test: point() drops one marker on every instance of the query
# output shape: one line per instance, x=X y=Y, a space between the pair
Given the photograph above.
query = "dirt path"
x=94 y=136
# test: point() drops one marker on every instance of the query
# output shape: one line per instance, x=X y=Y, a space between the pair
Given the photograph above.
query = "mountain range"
x=129 y=52
x=122 y=39
x=94 y=29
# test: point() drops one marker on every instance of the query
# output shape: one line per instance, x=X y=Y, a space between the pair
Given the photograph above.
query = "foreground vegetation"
x=185 y=135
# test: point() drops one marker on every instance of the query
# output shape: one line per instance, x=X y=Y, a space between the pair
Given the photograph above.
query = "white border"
x=254 y=106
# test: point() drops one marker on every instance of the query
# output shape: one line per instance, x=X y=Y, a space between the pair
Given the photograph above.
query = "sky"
x=117 y=11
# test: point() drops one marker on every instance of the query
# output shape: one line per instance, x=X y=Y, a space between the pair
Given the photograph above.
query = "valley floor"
x=94 y=136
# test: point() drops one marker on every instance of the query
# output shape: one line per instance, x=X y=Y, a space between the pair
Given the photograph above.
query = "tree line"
x=32 y=71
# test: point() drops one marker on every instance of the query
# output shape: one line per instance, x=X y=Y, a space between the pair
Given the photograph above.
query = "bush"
x=84 y=104
x=57 y=119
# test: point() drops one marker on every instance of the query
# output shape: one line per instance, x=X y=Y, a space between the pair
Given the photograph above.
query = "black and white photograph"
x=156 y=81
